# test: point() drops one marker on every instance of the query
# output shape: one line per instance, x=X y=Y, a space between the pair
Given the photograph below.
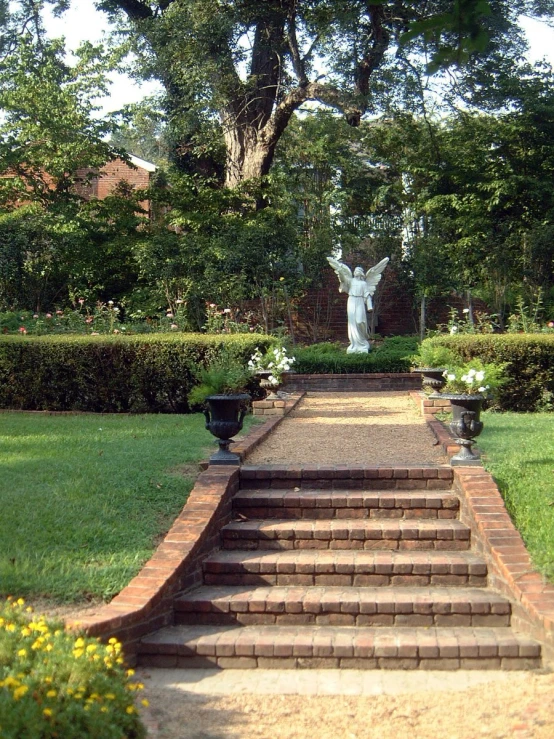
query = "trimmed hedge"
x=110 y=374
x=530 y=366
x=393 y=356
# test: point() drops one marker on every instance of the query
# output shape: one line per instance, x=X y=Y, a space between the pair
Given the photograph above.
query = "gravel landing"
x=357 y=428
x=457 y=705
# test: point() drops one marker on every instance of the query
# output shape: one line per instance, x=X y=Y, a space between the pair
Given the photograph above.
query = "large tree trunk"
x=248 y=158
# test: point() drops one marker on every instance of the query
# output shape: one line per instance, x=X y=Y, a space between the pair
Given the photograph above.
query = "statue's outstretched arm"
x=344 y=273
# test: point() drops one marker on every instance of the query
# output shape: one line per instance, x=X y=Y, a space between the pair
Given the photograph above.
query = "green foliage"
x=47 y=130
x=432 y=355
x=518 y=452
x=528 y=360
x=54 y=683
x=224 y=376
x=147 y=373
x=332 y=358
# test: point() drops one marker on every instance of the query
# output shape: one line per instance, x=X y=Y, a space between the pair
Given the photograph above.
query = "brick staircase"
x=367 y=568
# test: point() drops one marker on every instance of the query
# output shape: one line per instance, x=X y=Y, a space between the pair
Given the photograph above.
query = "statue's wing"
x=373 y=275
x=342 y=270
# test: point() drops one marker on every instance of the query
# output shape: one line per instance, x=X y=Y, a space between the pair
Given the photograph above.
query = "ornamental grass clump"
x=275 y=360
x=474 y=378
x=54 y=683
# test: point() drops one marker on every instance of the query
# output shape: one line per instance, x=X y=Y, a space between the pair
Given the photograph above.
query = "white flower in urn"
x=474 y=378
x=275 y=359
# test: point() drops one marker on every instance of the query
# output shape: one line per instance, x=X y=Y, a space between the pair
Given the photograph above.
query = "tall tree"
x=254 y=62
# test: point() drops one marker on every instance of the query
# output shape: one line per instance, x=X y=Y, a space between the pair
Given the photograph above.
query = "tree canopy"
x=253 y=63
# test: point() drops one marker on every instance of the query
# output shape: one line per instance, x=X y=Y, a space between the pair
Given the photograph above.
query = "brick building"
x=100 y=183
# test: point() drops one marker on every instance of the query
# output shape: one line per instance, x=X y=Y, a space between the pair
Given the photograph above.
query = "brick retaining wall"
x=510 y=568
x=146 y=603
x=368 y=382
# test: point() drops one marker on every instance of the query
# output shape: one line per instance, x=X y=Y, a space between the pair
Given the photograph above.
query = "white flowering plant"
x=474 y=378
x=275 y=360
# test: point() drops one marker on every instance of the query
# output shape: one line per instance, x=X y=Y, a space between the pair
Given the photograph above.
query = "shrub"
x=57 y=684
x=528 y=360
x=392 y=356
x=147 y=373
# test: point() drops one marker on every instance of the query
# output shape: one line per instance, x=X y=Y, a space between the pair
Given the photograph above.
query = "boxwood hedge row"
x=529 y=362
x=110 y=374
x=392 y=356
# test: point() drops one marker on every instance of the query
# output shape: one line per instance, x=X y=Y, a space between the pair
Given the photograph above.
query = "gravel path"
x=357 y=428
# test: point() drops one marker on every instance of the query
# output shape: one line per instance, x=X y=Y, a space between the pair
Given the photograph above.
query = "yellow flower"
x=20 y=692
x=79 y=643
x=91 y=648
x=104 y=709
x=20 y=602
x=110 y=696
x=113 y=640
x=78 y=653
x=145 y=703
x=26 y=631
x=130 y=709
x=22 y=653
x=51 y=694
x=47 y=713
x=130 y=673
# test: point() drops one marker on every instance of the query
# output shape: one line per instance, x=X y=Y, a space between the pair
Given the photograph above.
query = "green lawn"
x=84 y=499
x=519 y=452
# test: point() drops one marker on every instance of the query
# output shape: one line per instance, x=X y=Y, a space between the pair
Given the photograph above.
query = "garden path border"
x=146 y=603
x=510 y=568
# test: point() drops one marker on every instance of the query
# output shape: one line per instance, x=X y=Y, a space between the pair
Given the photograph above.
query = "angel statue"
x=360 y=289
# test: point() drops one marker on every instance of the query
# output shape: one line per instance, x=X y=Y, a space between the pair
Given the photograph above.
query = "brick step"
x=342 y=477
x=346 y=504
x=361 y=568
x=339 y=647
x=343 y=606
x=346 y=533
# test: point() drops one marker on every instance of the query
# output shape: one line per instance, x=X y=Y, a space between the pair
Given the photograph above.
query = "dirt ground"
x=358 y=428
x=519 y=705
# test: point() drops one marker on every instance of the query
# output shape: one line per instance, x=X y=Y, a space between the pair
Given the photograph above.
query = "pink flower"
x=174 y=326
x=48 y=315
x=116 y=331
x=81 y=301
x=59 y=312
x=35 y=315
x=169 y=314
x=550 y=324
x=226 y=310
x=89 y=319
x=22 y=330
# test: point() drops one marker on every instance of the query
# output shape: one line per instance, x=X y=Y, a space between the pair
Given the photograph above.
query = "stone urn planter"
x=265 y=384
x=432 y=378
x=224 y=418
x=465 y=425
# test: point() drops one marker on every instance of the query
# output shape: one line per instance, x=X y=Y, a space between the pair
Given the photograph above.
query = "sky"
x=84 y=23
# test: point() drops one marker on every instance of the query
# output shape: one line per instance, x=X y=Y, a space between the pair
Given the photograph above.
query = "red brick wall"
x=109 y=176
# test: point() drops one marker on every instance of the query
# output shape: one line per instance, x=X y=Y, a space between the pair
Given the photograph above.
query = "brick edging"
x=510 y=568
x=146 y=603
x=496 y=538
